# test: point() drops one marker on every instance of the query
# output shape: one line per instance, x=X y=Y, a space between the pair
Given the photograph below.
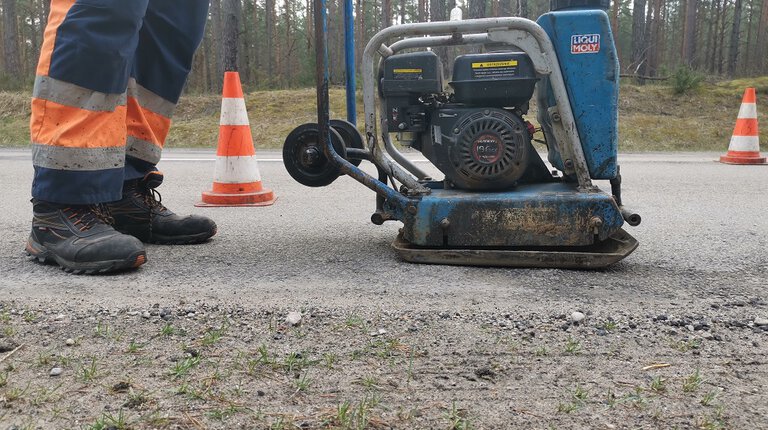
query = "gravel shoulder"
x=201 y=366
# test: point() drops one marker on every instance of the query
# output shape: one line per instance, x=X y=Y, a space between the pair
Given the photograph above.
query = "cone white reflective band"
x=233 y=112
x=748 y=111
x=236 y=170
x=744 y=143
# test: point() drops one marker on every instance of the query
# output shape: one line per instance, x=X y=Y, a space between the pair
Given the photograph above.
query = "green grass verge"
x=652 y=117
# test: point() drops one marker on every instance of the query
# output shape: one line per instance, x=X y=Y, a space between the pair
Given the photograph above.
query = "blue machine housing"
x=553 y=214
x=585 y=48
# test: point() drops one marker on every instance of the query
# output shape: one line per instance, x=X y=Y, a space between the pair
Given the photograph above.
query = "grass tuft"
x=692 y=382
x=182 y=367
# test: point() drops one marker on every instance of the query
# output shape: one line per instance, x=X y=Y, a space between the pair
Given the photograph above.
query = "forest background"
x=275 y=39
x=685 y=64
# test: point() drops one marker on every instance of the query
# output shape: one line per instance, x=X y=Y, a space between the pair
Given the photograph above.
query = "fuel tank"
x=581 y=34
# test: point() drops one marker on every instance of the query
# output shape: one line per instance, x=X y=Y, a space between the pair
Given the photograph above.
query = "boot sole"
x=181 y=240
x=42 y=255
x=158 y=239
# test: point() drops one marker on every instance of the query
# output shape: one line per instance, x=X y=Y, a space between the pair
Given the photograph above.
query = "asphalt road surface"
x=703 y=235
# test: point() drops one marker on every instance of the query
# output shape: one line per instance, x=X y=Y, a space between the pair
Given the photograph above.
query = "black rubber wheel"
x=304 y=158
x=350 y=135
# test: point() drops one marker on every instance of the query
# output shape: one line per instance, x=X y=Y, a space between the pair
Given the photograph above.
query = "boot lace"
x=152 y=198
x=86 y=217
x=149 y=196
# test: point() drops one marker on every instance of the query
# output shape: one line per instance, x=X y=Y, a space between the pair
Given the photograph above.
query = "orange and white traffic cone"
x=745 y=142
x=236 y=181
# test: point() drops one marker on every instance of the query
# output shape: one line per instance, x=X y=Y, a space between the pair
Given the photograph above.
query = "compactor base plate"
x=600 y=255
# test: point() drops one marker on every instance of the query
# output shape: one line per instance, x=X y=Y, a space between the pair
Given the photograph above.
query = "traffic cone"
x=236 y=181
x=745 y=142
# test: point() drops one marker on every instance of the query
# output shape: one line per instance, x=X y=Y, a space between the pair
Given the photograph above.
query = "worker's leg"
x=78 y=134
x=168 y=39
x=167 y=43
x=79 y=106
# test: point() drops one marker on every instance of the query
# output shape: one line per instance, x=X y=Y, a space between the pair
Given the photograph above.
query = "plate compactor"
x=499 y=204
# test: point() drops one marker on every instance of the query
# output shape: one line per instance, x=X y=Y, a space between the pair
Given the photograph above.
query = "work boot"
x=140 y=213
x=80 y=240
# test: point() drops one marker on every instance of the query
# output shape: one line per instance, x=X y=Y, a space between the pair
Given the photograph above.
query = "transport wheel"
x=350 y=135
x=304 y=157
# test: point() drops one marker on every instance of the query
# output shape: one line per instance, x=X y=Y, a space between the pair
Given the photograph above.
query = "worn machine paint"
x=498 y=204
x=543 y=214
x=584 y=44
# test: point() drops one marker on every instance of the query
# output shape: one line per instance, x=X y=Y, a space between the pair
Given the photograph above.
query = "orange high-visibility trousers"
x=107 y=83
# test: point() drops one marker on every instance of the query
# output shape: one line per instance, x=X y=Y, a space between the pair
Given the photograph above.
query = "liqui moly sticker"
x=585 y=44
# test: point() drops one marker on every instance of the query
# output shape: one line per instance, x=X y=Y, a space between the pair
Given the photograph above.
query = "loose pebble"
x=56 y=371
x=761 y=321
x=379 y=332
x=293 y=318
x=577 y=317
x=70 y=342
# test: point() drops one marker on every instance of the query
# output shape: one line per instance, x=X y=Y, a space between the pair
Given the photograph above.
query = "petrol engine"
x=475 y=134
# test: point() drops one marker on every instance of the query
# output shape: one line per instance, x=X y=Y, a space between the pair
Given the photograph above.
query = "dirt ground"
x=198 y=365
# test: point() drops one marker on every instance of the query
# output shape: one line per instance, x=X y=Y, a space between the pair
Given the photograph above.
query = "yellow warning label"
x=492 y=64
x=408 y=70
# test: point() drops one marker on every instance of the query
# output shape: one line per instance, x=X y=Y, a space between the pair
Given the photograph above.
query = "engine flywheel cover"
x=491 y=150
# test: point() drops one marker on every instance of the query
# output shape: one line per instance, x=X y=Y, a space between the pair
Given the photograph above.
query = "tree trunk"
x=34 y=33
x=733 y=53
x=218 y=30
x=506 y=8
x=716 y=12
x=209 y=86
x=746 y=59
x=11 y=40
x=638 y=36
x=231 y=35
x=359 y=33
x=615 y=25
x=762 y=37
x=689 y=32
x=245 y=47
x=289 y=43
x=662 y=36
x=257 y=39
x=386 y=13
x=437 y=12
x=269 y=30
x=310 y=25
x=657 y=38
x=522 y=8
x=476 y=9
x=721 y=37
x=648 y=43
